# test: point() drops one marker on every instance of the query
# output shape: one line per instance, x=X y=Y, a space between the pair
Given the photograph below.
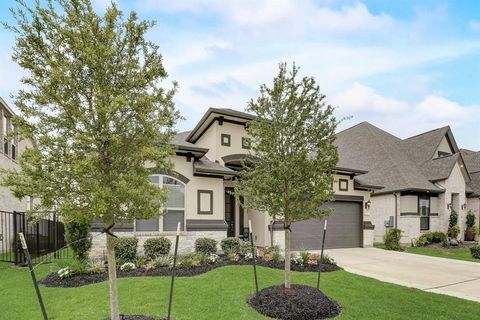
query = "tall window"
x=424 y=210
x=5 y=126
x=175 y=206
x=14 y=143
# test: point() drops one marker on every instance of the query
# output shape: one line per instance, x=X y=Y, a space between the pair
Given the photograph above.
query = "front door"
x=230 y=211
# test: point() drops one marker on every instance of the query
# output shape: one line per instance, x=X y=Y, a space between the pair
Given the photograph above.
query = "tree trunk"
x=287 y=258
x=112 y=279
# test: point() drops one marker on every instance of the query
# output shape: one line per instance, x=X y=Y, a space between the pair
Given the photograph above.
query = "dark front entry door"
x=230 y=211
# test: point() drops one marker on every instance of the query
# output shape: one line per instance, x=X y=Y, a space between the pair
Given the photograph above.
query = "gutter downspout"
x=396 y=208
x=271 y=232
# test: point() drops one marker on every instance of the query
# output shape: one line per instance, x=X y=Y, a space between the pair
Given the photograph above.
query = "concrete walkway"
x=446 y=276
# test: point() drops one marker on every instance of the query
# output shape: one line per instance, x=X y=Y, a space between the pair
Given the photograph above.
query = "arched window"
x=175 y=206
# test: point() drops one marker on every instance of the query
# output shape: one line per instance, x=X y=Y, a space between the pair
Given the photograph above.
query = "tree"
x=77 y=236
x=293 y=137
x=96 y=113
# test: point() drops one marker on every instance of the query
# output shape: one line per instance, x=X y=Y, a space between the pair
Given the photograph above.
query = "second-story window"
x=14 y=143
x=5 y=126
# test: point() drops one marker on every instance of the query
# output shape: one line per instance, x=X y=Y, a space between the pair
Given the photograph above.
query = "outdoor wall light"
x=367 y=204
x=464 y=206
x=449 y=206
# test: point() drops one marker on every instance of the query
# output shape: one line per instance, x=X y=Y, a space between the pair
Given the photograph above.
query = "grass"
x=221 y=294
x=462 y=253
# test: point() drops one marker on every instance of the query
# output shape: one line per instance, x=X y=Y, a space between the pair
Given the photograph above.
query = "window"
x=225 y=140
x=5 y=126
x=343 y=185
x=14 y=143
x=424 y=211
x=205 y=201
x=246 y=143
x=175 y=206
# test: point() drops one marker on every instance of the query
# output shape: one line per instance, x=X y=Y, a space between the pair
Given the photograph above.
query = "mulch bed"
x=300 y=302
x=53 y=280
x=136 y=317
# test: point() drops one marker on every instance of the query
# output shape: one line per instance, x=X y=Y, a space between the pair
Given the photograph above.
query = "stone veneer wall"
x=186 y=242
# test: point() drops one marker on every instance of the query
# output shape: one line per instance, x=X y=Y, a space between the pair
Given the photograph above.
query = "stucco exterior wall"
x=443 y=147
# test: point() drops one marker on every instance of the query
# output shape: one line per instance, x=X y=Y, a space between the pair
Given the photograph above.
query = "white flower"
x=128 y=266
x=297 y=260
x=64 y=272
x=212 y=258
x=248 y=256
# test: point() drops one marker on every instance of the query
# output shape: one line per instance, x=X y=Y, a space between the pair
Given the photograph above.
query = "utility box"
x=390 y=222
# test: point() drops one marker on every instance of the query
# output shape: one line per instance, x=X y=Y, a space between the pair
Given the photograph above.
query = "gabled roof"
x=440 y=168
x=214 y=113
x=475 y=184
x=422 y=147
x=472 y=160
x=205 y=166
x=383 y=155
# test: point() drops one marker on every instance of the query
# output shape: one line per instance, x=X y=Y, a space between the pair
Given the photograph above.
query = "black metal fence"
x=44 y=238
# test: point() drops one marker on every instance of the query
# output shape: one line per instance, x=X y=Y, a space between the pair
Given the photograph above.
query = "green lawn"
x=458 y=254
x=221 y=294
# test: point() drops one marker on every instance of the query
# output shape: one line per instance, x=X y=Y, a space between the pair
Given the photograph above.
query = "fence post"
x=15 y=239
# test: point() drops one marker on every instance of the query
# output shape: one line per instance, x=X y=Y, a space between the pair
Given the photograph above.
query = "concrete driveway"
x=446 y=276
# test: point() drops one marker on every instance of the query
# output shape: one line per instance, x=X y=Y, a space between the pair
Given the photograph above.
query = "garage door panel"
x=344 y=229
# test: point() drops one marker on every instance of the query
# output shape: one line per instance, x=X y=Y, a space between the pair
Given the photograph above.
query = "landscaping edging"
x=300 y=302
x=54 y=280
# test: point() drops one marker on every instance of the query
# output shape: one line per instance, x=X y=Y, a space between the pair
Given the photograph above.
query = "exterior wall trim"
x=173 y=174
x=210 y=192
x=341 y=197
x=367 y=225
x=403 y=214
x=206 y=225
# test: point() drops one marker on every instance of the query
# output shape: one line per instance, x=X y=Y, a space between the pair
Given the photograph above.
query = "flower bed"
x=54 y=279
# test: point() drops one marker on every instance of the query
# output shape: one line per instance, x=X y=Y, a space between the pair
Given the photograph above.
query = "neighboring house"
x=202 y=195
x=422 y=178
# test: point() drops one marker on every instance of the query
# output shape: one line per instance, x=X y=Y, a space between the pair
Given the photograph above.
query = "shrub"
x=470 y=219
x=272 y=254
x=232 y=254
x=454 y=231
x=245 y=247
x=78 y=266
x=127 y=266
x=140 y=262
x=231 y=243
x=453 y=219
x=305 y=256
x=163 y=261
x=96 y=266
x=78 y=238
x=298 y=260
x=431 y=237
x=205 y=246
x=126 y=249
x=475 y=251
x=392 y=239
x=156 y=247
x=327 y=259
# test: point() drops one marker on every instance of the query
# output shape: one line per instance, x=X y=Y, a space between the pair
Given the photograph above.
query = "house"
x=422 y=178
x=206 y=165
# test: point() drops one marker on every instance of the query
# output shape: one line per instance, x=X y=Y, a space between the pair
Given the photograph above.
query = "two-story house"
x=202 y=197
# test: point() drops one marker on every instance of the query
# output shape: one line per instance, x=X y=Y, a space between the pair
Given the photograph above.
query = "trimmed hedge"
x=432 y=237
x=126 y=249
x=392 y=239
x=231 y=244
x=475 y=251
x=205 y=245
x=78 y=237
x=155 y=247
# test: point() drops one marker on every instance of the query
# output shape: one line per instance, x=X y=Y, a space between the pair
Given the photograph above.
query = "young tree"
x=95 y=111
x=293 y=137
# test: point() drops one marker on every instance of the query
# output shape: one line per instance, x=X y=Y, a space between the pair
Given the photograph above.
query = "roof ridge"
x=427 y=132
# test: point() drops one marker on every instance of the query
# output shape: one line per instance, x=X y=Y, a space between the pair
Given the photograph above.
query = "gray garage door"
x=344 y=229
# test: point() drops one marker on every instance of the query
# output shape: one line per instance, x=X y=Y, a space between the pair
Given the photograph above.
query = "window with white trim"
x=175 y=206
x=6 y=127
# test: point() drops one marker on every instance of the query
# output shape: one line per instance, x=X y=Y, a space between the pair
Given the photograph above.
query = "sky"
x=404 y=66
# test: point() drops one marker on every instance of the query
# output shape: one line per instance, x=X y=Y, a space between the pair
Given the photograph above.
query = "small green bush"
x=78 y=238
x=154 y=247
x=163 y=261
x=126 y=249
x=205 y=246
x=245 y=248
x=432 y=237
x=230 y=244
x=305 y=256
x=392 y=239
x=470 y=219
x=96 y=266
x=475 y=251
x=327 y=259
x=453 y=219
x=78 y=267
x=454 y=231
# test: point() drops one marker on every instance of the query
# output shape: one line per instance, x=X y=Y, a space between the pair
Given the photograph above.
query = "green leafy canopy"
x=94 y=110
x=293 y=137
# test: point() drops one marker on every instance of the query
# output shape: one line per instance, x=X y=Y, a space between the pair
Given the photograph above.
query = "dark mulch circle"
x=136 y=317
x=53 y=280
x=297 y=303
